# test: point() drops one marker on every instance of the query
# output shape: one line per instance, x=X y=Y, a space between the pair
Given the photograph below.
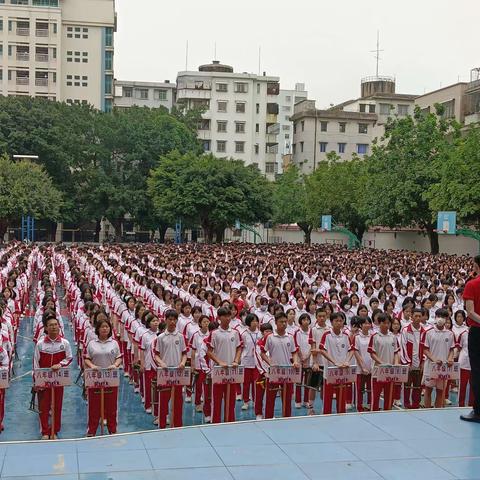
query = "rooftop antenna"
x=377 y=51
x=186 y=57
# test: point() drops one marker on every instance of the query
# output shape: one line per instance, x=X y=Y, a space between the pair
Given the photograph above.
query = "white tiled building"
x=241 y=113
x=58 y=49
x=145 y=94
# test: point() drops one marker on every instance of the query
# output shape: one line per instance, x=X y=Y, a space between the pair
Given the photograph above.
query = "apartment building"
x=287 y=99
x=472 y=94
x=318 y=132
x=241 y=117
x=145 y=94
x=58 y=49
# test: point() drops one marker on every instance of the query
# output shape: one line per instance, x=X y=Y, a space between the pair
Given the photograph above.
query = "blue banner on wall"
x=447 y=223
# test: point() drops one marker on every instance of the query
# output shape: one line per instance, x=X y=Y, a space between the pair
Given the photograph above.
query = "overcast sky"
x=326 y=45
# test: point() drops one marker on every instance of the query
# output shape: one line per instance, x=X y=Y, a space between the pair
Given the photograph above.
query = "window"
x=363 y=128
x=239 y=127
x=108 y=84
x=323 y=147
x=1 y=24
x=108 y=59
x=240 y=107
x=287 y=118
x=204 y=124
x=257 y=148
x=160 y=95
x=239 y=147
x=385 y=108
x=286 y=108
x=402 y=110
x=341 y=147
x=323 y=126
x=269 y=167
x=288 y=98
x=1 y=73
x=286 y=128
x=109 y=37
x=128 y=92
x=222 y=106
x=294 y=128
x=241 y=87
x=221 y=146
x=257 y=128
x=287 y=135
x=222 y=87
x=10 y=25
x=221 y=126
x=302 y=123
x=362 y=107
x=371 y=108
x=257 y=108
x=206 y=145
x=258 y=88
x=342 y=126
x=142 y=93
x=301 y=147
x=1 y=49
x=449 y=109
x=362 y=148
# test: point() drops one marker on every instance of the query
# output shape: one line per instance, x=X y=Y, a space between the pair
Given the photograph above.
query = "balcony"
x=271 y=139
x=472 y=118
x=23 y=32
x=23 y=56
x=193 y=93
x=22 y=80
x=41 y=32
x=41 y=82
x=41 y=57
x=271 y=118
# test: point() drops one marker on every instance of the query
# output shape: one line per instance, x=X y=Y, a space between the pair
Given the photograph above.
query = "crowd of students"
x=313 y=307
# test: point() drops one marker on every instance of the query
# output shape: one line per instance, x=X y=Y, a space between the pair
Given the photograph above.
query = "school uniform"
x=47 y=353
x=170 y=347
x=465 y=370
x=224 y=344
x=146 y=344
x=249 y=341
x=102 y=354
x=196 y=342
x=302 y=340
x=411 y=353
x=364 y=380
x=4 y=365
x=439 y=343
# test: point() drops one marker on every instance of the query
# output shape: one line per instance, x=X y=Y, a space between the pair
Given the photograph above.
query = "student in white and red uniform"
x=465 y=370
x=384 y=350
x=279 y=349
x=4 y=365
x=103 y=352
x=250 y=338
x=438 y=346
x=335 y=346
x=51 y=351
x=364 y=362
x=171 y=351
x=224 y=349
x=149 y=367
x=302 y=340
x=262 y=369
x=410 y=344
x=197 y=341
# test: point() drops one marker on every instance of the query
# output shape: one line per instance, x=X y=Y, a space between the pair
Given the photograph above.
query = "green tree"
x=208 y=191
x=26 y=189
x=401 y=170
x=290 y=201
x=458 y=186
x=335 y=189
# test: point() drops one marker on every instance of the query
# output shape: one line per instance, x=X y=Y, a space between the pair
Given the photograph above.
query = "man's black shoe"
x=471 y=417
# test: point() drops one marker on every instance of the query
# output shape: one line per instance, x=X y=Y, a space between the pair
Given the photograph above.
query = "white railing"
x=23 y=57
x=23 y=32
x=41 y=57
x=23 y=80
x=41 y=82
x=41 y=32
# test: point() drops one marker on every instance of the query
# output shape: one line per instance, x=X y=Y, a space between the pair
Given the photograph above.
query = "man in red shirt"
x=471 y=297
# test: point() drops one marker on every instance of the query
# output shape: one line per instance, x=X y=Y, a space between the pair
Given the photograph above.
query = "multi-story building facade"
x=145 y=94
x=58 y=49
x=472 y=94
x=287 y=99
x=348 y=128
x=241 y=114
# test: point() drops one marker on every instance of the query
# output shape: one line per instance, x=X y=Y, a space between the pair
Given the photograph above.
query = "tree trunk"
x=359 y=231
x=208 y=232
x=307 y=230
x=3 y=228
x=162 y=230
x=98 y=226
x=117 y=226
x=52 y=232
x=433 y=237
x=219 y=234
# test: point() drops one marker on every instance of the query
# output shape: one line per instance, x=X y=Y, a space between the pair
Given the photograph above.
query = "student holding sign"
x=279 y=349
x=384 y=350
x=171 y=351
x=54 y=352
x=225 y=349
x=439 y=347
x=335 y=346
x=103 y=352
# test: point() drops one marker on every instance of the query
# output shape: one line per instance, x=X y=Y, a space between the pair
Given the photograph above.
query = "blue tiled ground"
x=424 y=444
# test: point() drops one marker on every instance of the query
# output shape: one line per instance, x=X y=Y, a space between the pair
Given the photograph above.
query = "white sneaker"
x=239 y=398
x=155 y=422
x=454 y=389
x=298 y=405
x=448 y=401
x=168 y=419
x=148 y=410
x=126 y=374
x=348 y=406
x=397 y=403
x=259 y=417
x=188 y=399
x=245 y=406
x=199 y=408
x=208 y=419
x=136 y=390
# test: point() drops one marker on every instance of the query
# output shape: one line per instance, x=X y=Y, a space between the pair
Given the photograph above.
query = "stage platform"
x=422 y=444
